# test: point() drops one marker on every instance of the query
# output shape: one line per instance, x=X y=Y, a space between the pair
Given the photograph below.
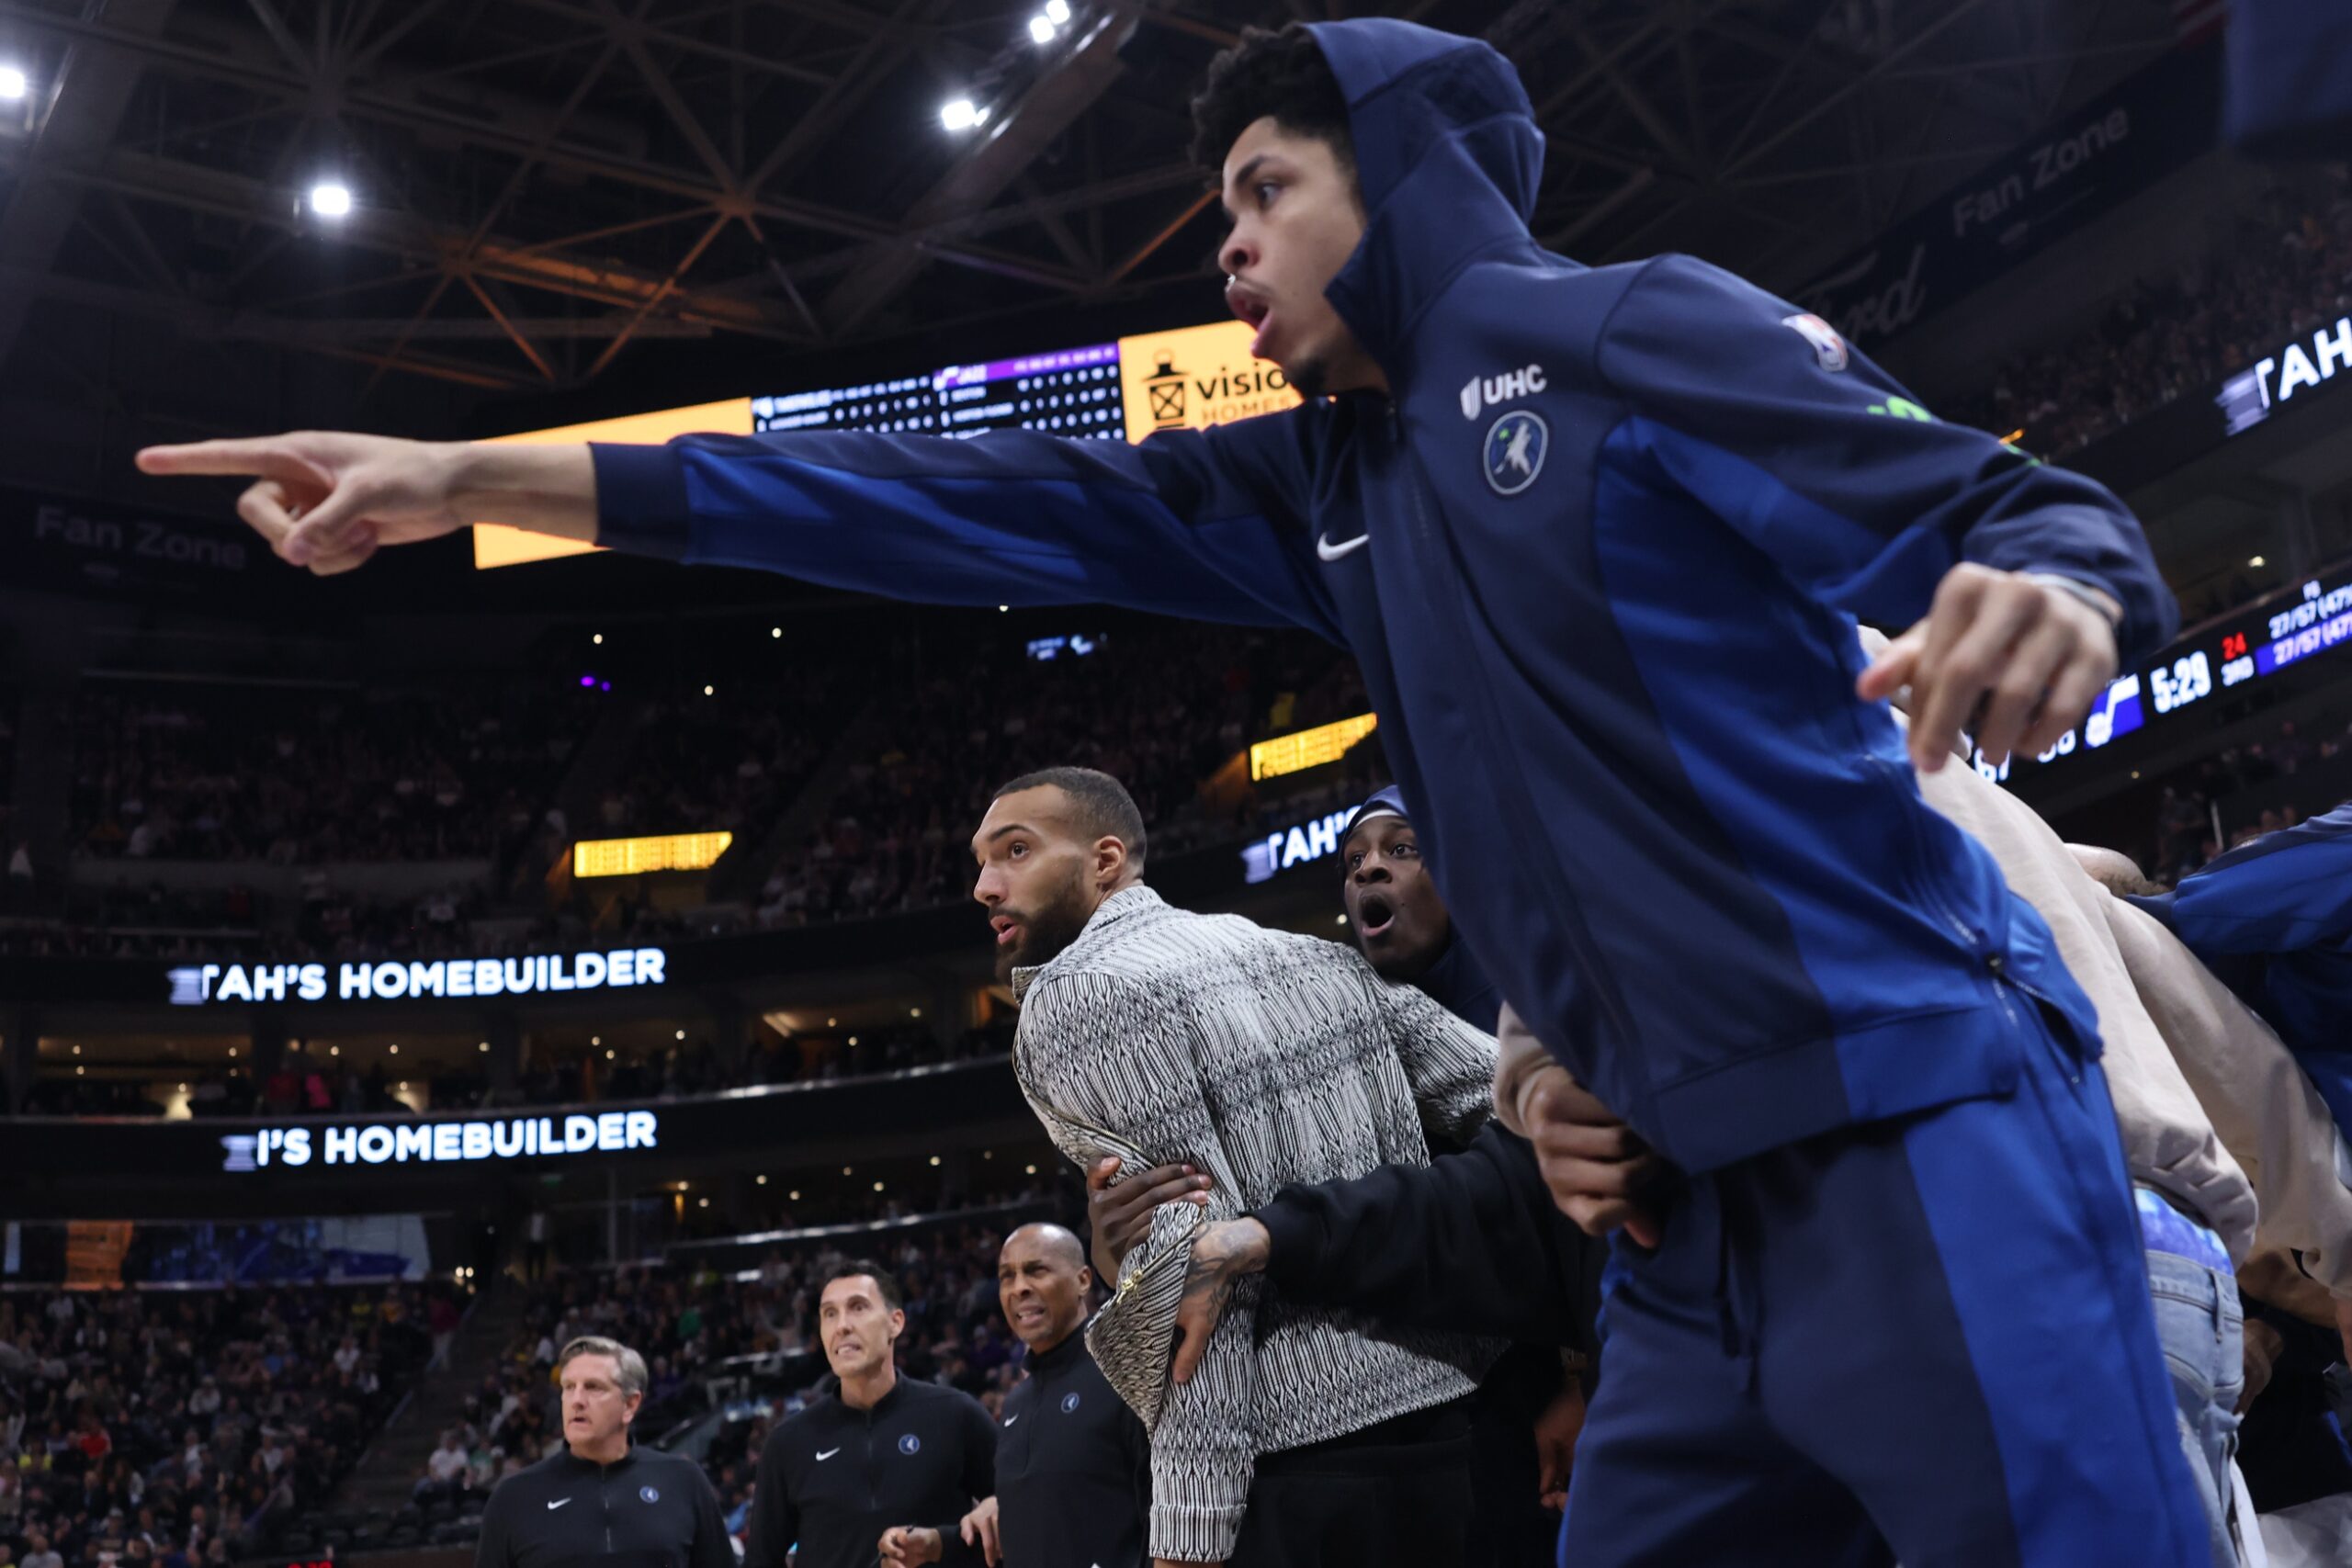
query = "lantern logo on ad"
x=1196 y=377
x=442 y=1142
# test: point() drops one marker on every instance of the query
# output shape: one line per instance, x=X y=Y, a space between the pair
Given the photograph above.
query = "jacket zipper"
x=1995 y=963
x=604 y=1501
x=1514 y=791
x=1971 y=937
x=873 y=1489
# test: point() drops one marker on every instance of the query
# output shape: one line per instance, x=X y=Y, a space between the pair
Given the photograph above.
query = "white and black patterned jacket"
x=1263 y=1058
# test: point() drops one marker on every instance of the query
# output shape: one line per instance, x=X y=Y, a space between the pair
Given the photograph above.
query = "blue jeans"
x=2203 y=1331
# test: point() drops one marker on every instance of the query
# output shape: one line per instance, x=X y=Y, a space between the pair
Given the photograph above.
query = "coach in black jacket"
x=884 y=1468
x=601 y=1500
x=1073 y=1466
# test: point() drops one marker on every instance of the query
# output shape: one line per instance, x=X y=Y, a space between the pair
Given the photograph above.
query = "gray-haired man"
x=602 y=1499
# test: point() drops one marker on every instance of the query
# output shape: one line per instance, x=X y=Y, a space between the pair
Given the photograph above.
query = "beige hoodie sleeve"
x=2258 y=1098
x=2168 y=1141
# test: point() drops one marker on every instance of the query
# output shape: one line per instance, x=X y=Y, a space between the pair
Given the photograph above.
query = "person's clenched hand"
x=1119 y=1216
x=980 y=1528
x=911 y=1546
x=1221 y=1254
x=1557 y=1427
x=1600 y=1173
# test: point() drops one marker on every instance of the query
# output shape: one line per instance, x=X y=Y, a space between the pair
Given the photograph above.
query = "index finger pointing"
x=263 y=456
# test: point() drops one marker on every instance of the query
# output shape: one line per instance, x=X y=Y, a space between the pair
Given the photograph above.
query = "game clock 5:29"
x=2181 y=682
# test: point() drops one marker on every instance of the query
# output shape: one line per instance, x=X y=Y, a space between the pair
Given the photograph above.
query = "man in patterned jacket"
x=1261 y=1058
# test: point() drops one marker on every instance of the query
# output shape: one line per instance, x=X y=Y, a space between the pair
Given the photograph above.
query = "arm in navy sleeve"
x=2286 y=892
x=712 y=1548
x=978 y=1481
x=1470 y=1242
x=1861 y=496
x=1203 y=523
x=775 y=1523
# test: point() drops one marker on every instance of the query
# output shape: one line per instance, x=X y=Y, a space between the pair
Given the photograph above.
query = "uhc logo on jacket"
x=1492 y=391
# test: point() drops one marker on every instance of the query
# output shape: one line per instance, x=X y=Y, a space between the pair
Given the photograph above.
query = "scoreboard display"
x=1185 y=378
x=2256 y=643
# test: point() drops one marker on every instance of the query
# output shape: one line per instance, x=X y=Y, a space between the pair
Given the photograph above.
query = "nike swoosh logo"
x=1010 y=1419
x=825 y=1455
x=553 y=1507
x=1330 y=551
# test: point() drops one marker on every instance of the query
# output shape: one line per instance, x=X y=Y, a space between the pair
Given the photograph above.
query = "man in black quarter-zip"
x=844 y=1479
x=1073 y=1466
x=601 y=1500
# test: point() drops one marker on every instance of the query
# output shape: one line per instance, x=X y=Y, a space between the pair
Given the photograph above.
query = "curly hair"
x=1279 y=73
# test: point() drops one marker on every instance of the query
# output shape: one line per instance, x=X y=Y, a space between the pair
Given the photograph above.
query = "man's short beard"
x=1046 y=932
x=1307 y=377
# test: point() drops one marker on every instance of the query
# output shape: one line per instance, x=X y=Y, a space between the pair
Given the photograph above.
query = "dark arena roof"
x=566 y=207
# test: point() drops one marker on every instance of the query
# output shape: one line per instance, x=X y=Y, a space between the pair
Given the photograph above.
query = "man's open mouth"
x=1375 y=915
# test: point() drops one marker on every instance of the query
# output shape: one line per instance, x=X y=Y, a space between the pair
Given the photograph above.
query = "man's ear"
x=1111 y=860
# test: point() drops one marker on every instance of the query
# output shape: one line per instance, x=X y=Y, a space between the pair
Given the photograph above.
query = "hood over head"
x=1449 y=159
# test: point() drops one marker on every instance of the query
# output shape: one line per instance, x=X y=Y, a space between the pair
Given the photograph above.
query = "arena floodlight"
x=1041 y=29
x=331 y=199
x=959 y=113
x=1057 y=11
x=15 y=85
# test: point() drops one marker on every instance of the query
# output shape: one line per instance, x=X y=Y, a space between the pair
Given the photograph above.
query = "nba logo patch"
x=1827 y=346
x=1069 y=1402
x=1514 y=451
x=649 y=1494
x=910 y=1444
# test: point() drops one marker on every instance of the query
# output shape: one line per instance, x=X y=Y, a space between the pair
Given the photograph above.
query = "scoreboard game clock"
x=2314 y=621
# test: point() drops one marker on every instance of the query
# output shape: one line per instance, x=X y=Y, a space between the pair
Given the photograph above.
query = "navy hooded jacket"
x=1598 y=557
x=2273 y=920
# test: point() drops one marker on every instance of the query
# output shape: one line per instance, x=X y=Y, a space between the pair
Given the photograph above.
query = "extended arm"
x=1469 y=1243
x=1201 y=524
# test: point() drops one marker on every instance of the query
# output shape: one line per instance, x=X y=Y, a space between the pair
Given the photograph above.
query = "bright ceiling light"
x=2256 y=561
x=13 y=85
x=958 y=114
x=1041 y=29
x=329 y=199
x=1057 y=11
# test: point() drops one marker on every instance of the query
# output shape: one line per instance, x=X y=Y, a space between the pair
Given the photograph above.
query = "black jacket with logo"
x=1073 y=1468
x=832 y=1479
x=646 y=1509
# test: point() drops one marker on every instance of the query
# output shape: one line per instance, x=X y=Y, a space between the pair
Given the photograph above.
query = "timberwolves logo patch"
x=910 y=1444
x=649 y=1494
x=1069 y=1402
x=1514 y=454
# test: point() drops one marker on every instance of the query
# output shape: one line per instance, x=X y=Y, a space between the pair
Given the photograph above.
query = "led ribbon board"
x=634 y=857
x=1305 y=748
x=1186 y=379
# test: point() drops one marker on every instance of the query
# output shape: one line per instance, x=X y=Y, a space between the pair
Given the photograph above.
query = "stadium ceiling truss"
x=539 y=185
